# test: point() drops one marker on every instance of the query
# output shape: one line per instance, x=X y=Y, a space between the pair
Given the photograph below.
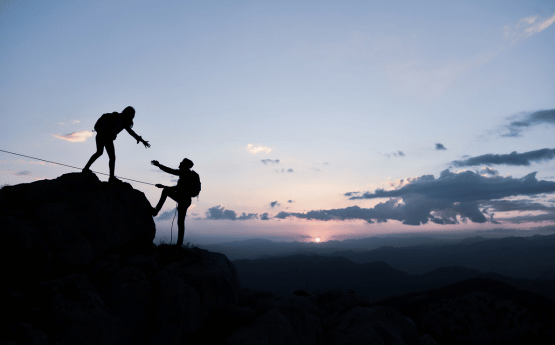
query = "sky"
x=304 y=119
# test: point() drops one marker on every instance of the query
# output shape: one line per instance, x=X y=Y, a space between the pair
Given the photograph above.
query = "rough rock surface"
x=331 y=317
x=79 y=267
x=64 y=223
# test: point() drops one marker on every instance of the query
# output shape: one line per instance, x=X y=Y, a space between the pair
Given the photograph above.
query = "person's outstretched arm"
x=137 y=137
x=166 y=169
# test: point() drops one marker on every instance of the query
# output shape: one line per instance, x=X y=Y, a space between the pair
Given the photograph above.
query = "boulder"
x=56 y=225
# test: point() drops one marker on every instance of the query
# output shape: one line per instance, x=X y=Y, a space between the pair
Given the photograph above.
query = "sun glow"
x=317 y=239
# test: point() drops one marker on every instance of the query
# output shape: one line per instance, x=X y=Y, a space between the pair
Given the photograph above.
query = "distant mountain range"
x=523 y=257
x=520 y=257
x=257 y=248
x=376 y=280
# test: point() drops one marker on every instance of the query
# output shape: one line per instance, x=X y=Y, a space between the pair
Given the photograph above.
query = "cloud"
x=413 y=211
x=264 y=216
x=527 y=27
x=284 y=171
x=274 y=203
x=440 y=147
x=23 y=173
x=516 y=205
x=220 y=213
x=514 y=158
x=430 y=81
x=290 y=201
x=449 y=199
x=75 y=137
x=270 y=161
x=73 y=122
x=489 y=171
x=258 y=148
x=396 y=154
x=530 y=218
x=521 y=206
x=245 y=216
x=167 y=215
x=515 y=128
x=465 y=186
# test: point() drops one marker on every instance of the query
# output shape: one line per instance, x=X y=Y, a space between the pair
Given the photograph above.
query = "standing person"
x=107 y=128
x=188 y=186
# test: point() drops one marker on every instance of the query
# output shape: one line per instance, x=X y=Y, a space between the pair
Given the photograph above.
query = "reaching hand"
x=160 y=185
x=155 y=163
x=146 y=144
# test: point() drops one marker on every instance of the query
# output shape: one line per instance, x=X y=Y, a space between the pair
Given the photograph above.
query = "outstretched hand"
x=160 y=185
x=146 y=144
x=155 y=163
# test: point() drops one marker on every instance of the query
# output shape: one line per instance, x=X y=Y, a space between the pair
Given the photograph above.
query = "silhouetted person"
x=107 y=129
x=188 y=186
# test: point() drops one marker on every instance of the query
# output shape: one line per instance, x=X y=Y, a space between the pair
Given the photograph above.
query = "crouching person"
x=188 y=186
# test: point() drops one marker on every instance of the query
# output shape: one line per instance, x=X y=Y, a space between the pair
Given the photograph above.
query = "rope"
x=171 y=230
x=69 y=166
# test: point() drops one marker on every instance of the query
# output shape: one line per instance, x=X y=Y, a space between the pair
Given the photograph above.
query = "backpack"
x=106 y=122
x=194 y=184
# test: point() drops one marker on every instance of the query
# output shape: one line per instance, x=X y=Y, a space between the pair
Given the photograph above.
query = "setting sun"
x=317 y=239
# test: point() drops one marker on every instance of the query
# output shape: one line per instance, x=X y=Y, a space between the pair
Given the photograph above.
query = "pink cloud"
x=75 y=137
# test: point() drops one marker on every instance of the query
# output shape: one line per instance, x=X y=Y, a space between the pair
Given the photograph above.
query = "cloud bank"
x=514 y=158
x=527 y=27
x=220 y=213
x=75 y=137
x=515 y=128
x=167 y=215
x=449 y=199
x=521 y=206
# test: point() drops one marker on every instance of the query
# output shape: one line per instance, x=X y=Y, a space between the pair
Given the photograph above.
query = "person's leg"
x=112 y=156
x=168 y=191
x=98 y=153
x=181 y=213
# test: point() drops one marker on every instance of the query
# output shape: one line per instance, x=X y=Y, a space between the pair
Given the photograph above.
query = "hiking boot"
x=113 y=179
x=86 y=171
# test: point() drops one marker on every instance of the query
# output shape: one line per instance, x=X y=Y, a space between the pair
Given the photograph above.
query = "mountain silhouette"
x=522 y=257
x=78 y=267
x=376 y=280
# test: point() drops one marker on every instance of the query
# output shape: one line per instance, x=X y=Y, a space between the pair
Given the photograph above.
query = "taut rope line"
x=69 y=166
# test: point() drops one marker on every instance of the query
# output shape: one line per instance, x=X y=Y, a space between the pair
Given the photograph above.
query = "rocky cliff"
x=78 y=266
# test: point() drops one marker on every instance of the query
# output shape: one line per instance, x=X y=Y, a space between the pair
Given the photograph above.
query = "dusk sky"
x=305 y=119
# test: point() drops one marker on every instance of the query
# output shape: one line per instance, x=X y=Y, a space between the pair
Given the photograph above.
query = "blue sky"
x=286 y=107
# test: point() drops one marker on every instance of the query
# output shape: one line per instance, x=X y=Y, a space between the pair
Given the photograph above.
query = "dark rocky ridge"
x=60 y=224
x=79 y=267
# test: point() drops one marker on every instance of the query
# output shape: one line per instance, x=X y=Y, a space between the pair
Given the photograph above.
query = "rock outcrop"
x=79 y=267
x=64 y=223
